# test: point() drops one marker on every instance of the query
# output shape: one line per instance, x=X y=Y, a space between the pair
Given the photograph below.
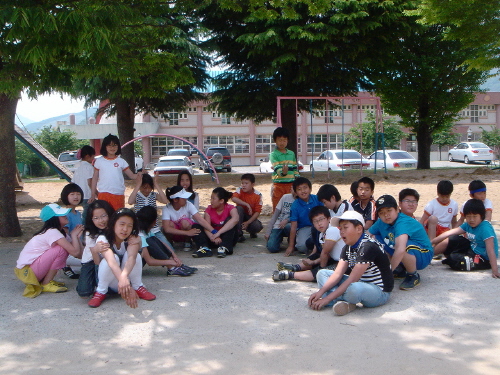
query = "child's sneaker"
x=241 y=238
x=189 y=269
x=69 y=272
x=288 y=266
x=281 y=275
x=58 y=283
x=343 y=308
x=145 y=294
x=410 y=282
x=178 y=271
x=202 y=252
x=97 y=299
x=52 y=287
x=399 y=272
x=187 y=246
x=221 y=252
x=253 y=235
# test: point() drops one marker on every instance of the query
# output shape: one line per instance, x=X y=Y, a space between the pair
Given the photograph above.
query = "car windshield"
x=178 y=152
x=348 y=155
x=478 y=145
x=171 y=163
x=68 y=157
x=400 y=155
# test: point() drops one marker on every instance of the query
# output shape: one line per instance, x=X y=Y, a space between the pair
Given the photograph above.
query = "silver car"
x=469 y=152
x=173 y=165
x=393 y=159
x=337 y=160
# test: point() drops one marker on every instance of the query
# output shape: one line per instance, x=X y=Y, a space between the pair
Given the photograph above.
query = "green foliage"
x=492 y=138
x=393 y=134
x=445 y=138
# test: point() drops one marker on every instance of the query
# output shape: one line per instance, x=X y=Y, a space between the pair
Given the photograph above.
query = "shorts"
x=422 y=256
x=439 y=228
x=116 y=201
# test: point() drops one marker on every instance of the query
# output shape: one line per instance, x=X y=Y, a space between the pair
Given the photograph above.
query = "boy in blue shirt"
x=479 y=250
x=404 y=239
x=300 y=225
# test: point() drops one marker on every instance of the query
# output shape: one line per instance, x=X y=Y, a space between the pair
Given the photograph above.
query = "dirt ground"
x=37 y=194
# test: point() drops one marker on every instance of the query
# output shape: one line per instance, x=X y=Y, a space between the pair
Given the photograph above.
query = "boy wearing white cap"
x=363 y=274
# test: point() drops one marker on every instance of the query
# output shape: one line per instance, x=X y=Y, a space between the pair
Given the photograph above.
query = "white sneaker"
x=221 y=252
x=343 y=308
x=187 y=246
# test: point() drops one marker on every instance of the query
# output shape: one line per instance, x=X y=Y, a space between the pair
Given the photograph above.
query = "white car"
x=266 y=166
x=173 y=165
x=469 y=152
x=69 y=160
x=393 y=159
x=337 y=160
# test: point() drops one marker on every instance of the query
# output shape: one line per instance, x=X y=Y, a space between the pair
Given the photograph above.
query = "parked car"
x=266 y=166
x=469 y=152
x=173 y=165
x=336 y=160
x=69 y=160
x=393 y=159
x=179 y=152
x=220 y=158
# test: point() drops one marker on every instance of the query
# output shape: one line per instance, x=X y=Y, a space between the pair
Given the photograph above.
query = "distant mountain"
x=35 y=127
x=22 y=121
x=492 y=84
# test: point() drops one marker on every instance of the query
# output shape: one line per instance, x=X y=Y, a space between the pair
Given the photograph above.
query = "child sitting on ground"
x=408 y=202
x=477 y=190
x=278 y=226
x=404 y=239
x=477 y=251
x=300 y=224
x=363 y=201
x=325 y=254
x=249 y=205
x=154 y=251
x=330 y=197
x=440 y=214
x=363 y=274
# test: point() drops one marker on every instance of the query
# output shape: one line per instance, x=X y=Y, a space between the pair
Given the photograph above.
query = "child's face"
x=444 y=199
x=349 y=232
x=74 y=198
x=246 y=186
x=215 y=202
x=112 y=149
x=123 y=227
x=321 y=223
x=303 y=191
x=329 y=204
x=281 y=142
x=408 y=205
x=146 y=189
x=63 y=220
x=364 y=191
x=473 y=219
x=178 y=203
x=481 y=195
x=388 y=215
x=100 y=218
x=185 y=182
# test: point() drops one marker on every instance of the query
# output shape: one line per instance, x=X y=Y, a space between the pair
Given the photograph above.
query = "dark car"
x=220 y=158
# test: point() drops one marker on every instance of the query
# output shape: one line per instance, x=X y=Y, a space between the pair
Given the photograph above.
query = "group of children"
x=355 y=248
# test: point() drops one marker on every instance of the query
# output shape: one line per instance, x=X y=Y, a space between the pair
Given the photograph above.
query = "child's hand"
x=318 y=304
x=313 y=298
x=131 y=299
x=100 y=247
x=193 y=232
x=288 y=251
x=307 y=262
x=78 y=230
x=250 y=212
x=283 y=223
x=244 y=225
x=495 y=275
x=284 y=170
x=266 y=237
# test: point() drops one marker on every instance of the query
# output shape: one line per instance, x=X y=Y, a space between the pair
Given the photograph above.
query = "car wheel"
x=217 y=158
x=228 y=169
x=450 y=158
x=488 y=162
x=466 y=159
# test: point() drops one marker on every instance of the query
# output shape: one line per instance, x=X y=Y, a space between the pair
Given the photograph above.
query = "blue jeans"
x=276 y=237
x=368 y=294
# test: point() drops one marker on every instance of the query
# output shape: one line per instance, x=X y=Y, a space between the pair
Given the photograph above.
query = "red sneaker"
x=97 y=299
x=145 y=294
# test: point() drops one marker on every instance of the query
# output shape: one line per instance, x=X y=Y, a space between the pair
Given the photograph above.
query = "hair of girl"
x=222 y=193
x=148 y=180
x=53 y=222
x=67 y=190
x=110 y=232
x=89 y=223
x=171 y=191
x=110 y=138
x=146 y=217
x=190 y=188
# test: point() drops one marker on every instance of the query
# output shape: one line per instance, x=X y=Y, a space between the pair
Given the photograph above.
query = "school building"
x=248 y=142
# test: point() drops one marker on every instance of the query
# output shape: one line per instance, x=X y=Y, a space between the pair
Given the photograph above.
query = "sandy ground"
x=230 y=318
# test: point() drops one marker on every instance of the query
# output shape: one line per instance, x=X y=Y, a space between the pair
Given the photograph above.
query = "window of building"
x=161 y=145
x=474 y=113
x=264 y=144
x=235 y=144
x=225 y=119
x=173 y=117
x=411 y=143
x=321 y=142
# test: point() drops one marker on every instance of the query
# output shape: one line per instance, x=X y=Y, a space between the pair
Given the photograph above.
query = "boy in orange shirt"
x=249 y=205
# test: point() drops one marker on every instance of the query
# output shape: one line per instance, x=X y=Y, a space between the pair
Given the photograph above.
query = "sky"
x=47 y=106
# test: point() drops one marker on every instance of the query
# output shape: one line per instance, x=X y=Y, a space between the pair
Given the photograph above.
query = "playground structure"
x=338 y=101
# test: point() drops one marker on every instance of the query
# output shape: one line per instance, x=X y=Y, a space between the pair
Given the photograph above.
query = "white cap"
x=52 y=210
x=181 y=194
x=352 y=215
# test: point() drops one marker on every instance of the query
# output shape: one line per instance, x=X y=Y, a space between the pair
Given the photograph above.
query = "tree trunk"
x=289 y=122
x=424 y=140
x=9 y=223
x=125 y=114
